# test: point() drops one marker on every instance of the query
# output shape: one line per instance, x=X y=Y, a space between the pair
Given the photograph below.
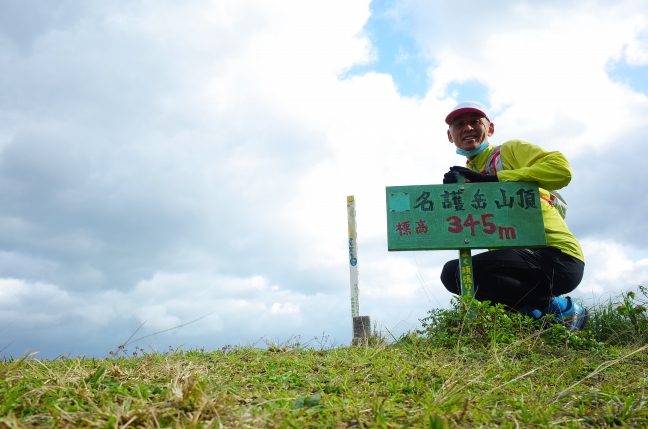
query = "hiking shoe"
x=576 y=317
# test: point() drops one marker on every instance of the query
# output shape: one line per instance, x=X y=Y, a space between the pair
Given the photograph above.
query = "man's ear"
x=450 y=137
x=491 y=129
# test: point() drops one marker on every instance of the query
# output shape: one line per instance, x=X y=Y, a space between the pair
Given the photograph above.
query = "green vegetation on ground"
x=496 y=369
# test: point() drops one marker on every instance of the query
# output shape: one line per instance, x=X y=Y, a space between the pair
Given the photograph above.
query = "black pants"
x=518 y=277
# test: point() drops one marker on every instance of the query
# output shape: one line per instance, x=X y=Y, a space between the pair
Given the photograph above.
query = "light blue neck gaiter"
x=475 y=152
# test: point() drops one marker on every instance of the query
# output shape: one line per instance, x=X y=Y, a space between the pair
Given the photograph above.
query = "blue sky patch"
x=636 y=77
x=397 y=51
x=469 y=90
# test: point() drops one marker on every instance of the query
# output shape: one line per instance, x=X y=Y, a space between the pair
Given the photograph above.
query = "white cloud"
x=609 y=269
x=636 y=51
x=285 y=308
x=547 y=81
x=231 y=310
x=164 y=161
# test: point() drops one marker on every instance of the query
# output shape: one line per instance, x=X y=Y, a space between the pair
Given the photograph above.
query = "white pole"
x=361 y=324
x=353 y=256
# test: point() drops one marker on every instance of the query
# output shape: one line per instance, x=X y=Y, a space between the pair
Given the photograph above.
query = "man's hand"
x=471 y=176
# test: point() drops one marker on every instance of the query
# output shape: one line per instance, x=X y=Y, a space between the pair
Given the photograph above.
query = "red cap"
x=467 y=106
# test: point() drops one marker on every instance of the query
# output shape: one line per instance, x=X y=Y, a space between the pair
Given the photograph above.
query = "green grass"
x=495 y=370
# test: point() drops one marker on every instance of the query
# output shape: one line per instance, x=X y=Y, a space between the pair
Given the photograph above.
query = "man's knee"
x=449 y=276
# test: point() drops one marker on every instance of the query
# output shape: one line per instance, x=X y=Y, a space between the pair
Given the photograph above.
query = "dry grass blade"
x=15 y=365
x=128 y=341
x=600 y=368
x=526 y=374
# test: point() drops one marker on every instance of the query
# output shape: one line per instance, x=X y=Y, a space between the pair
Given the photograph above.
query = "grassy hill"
x=496 y=370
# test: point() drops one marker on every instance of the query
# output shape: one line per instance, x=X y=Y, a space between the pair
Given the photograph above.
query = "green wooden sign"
x=492 y=215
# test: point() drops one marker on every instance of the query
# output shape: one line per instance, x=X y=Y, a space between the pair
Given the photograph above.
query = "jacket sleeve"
x=526 y=162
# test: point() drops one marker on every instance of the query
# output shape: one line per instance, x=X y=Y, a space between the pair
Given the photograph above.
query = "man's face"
x=468 y=130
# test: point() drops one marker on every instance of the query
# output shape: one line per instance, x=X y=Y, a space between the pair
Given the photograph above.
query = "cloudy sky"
x=161 y=161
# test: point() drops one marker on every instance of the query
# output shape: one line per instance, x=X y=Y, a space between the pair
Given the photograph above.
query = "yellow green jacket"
x=526 y=162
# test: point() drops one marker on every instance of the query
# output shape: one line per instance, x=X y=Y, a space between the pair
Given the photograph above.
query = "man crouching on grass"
x=527 y=280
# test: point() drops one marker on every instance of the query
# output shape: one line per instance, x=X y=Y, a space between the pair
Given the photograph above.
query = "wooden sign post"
x=464 y=216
